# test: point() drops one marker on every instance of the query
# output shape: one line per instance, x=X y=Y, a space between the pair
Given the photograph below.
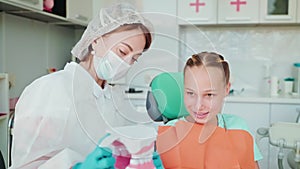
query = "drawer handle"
x=279 y=17
x=238 y=19
x=198 y=19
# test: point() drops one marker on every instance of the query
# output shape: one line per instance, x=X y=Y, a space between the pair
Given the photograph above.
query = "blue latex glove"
x=100 y=158
x=157 y=161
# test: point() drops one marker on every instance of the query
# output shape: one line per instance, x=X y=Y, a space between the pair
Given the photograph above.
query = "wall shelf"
x=2 y=76
x=31 y=13
x=3 y=117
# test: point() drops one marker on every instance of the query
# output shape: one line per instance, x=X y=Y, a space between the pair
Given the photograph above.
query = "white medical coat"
x=60 y=117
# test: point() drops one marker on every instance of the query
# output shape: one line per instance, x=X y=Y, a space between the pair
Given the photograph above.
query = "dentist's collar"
x=98 y=91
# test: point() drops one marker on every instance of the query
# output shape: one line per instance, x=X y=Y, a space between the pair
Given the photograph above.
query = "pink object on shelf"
x=48 y=5
x=3 y=113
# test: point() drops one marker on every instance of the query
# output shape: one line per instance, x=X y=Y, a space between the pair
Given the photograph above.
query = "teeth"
x=121 y=151
x=116 y=151
x=141 y=161
x=124 y=152
x=134 y=161
x=137 y=160
x=137 y=164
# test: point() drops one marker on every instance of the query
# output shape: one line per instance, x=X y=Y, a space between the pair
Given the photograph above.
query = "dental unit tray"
x=285 y=133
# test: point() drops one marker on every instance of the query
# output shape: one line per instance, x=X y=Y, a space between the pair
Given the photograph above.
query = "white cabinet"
x=285 y=113
x=36 y=4
x=298 y=11
x=278 y=11
x=256 y=116
x=238 y=11
x=83 y=11
x=79 y=11
x=4 y=108
x=250 y=112
x=33 y=9
x=197 y=11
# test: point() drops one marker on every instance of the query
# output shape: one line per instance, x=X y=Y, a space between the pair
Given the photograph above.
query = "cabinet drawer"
x=238 y=11
x=274 y=11
x=197 y=11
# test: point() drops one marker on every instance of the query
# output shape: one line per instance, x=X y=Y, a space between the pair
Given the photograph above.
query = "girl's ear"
x=227 y=90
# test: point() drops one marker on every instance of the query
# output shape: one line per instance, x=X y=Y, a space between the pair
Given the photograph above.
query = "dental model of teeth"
x=132 y=146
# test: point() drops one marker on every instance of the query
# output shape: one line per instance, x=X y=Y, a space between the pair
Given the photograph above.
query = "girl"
x=207 y=139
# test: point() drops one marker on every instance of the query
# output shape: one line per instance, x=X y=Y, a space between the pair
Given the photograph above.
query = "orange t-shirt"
x=179 y=147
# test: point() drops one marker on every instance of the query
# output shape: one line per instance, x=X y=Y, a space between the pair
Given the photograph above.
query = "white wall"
x=31 y=47
x=248 y=49
x=1 y=45
x=163 y=55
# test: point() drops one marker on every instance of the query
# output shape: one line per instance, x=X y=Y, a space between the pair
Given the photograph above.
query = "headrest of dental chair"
x=165 y=100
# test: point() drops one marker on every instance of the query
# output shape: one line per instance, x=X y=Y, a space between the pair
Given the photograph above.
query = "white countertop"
x=262 y=99
x=138 y=96
x=235 y=99
x=3 y=116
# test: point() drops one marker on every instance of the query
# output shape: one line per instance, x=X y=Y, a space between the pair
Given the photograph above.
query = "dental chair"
x=284 y=135
x=167 y=90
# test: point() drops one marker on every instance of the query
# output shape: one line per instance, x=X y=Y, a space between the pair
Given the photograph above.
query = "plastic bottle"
x=297 y=78
x=274 y=86
x=288 y=85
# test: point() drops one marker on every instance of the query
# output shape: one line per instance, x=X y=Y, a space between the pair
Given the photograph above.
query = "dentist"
x=60 y=118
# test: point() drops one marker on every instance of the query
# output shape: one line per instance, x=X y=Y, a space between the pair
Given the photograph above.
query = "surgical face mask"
x=110 y=66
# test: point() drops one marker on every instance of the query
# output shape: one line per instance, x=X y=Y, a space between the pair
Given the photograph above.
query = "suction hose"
x=279 y=161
